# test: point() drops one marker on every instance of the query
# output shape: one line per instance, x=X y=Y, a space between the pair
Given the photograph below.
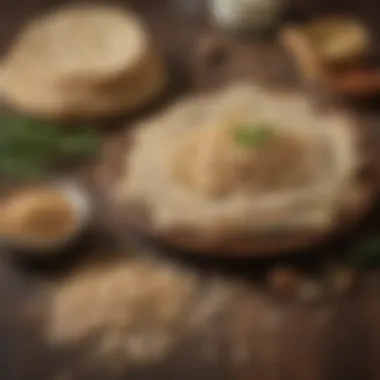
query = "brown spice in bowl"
x=37 y=213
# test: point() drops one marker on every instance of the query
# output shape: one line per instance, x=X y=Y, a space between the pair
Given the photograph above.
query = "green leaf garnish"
x=30 y=149
x=255 y=135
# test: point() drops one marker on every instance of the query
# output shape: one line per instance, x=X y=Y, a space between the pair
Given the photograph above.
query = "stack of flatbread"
x=82 y=62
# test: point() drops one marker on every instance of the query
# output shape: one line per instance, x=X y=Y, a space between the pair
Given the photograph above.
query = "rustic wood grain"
x=255 y=334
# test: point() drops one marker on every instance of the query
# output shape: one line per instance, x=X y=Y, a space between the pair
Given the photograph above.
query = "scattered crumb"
x=137 y=309
x=253 y=318
x=209 y=319
x=342 y=278
x=213 y=301
x=283 y=280
x=309 y=290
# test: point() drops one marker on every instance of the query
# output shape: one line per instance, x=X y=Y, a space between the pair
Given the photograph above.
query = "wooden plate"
x=137 y=218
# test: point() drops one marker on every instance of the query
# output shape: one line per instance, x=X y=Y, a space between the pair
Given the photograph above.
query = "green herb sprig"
x=251 y=136
x=29 y=149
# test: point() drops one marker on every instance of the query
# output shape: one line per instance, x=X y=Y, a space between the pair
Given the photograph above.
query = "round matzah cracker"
x=84 y=43
x=58 y=68
x=49 y=102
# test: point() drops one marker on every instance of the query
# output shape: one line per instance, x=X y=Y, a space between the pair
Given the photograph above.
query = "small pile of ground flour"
x=136 y=309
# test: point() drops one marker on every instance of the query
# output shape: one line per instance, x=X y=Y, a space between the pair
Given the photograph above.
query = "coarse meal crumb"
x=137 y=309
x=283 y=280
x=310 y=290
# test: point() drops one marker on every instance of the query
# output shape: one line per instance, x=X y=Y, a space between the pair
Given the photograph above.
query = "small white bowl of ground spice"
x=44 y=218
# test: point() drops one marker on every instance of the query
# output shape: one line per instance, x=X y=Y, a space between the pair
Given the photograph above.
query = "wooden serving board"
x=255 y=332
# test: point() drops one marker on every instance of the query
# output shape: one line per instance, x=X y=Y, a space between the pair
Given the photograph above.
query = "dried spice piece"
x=283 y=280
x=310 y=289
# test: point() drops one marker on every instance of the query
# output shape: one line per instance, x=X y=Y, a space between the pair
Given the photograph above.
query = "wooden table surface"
x=254 y=333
